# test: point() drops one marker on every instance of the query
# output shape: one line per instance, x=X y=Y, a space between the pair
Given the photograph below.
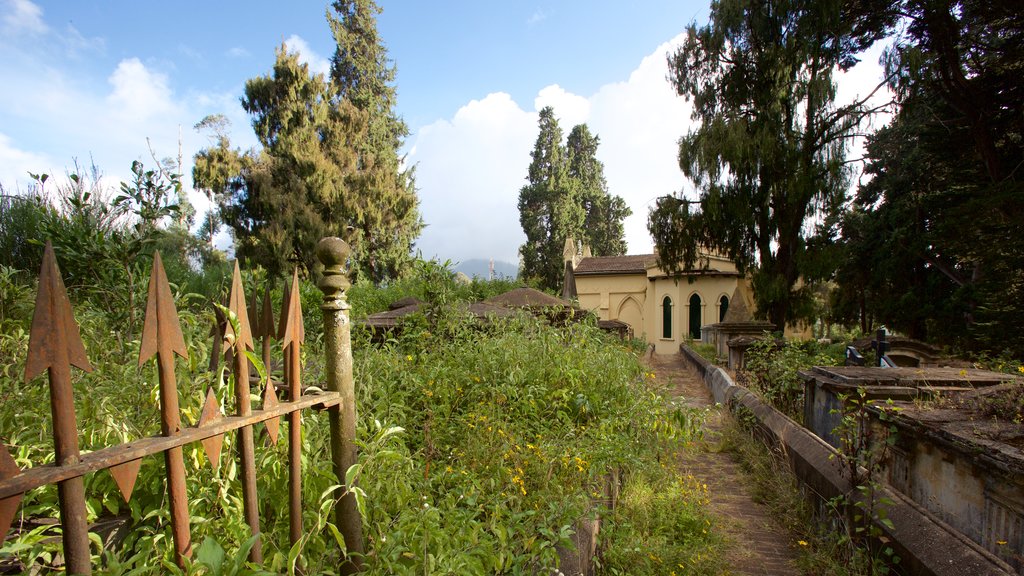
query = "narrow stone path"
x=757 y=545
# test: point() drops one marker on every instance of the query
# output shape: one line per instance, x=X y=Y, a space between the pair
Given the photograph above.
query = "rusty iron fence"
x=55 y=346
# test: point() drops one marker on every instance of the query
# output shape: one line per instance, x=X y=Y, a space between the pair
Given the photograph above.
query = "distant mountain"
x=480 y=268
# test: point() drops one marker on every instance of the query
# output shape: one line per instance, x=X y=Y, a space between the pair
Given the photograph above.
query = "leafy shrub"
x=771 y=366
x=706 y=351
x=431 y=281
x=21 y=229
x=508 y=434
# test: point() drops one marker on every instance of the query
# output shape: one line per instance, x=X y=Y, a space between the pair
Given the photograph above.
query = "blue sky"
x=96 y=79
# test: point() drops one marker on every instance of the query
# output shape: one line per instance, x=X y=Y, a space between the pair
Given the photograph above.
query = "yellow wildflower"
x=802 y=542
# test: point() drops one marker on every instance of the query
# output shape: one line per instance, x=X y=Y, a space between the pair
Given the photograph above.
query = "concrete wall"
x=925 y=543
x=956 y=484
x=939 y=461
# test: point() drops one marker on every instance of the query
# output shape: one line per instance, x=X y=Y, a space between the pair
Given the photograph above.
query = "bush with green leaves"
x=771 y=367
x=510 y=432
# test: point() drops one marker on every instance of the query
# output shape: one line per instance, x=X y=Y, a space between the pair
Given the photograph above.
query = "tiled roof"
x=525 y=298
x=636 y=264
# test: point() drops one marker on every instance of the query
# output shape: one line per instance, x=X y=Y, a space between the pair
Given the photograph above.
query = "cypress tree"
x=382 y=192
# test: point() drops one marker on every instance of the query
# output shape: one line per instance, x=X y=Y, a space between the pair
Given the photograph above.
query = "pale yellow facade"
x=666 y=311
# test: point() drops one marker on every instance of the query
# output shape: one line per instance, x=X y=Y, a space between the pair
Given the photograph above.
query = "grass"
x=706 y=351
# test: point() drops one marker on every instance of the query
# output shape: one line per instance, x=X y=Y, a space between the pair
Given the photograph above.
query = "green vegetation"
x=771 y=366
x=566 y=198
x=768 y=156
x=480 y=446
x=705 y=351
x=821 y=550
x=929 y=245
x=328 y=163
x=661 y=526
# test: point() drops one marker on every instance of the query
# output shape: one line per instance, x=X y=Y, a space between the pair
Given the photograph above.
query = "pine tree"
x=548 y=208
x=382 y=191
x=603 y=224
x=329 y=163
x=566 y=198
x=293 y=192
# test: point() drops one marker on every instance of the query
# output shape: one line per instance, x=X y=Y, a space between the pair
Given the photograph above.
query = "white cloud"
x=75 y=43
x=570 y=108
x=15 y=164
x=238 y=52
x=469 y=169
x=536 y=18
x=61 y=116
x=23 y=16
x=138 y=92
x=317 y=63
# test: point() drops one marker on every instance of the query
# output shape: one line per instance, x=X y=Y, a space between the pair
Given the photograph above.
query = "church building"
x=665 y=310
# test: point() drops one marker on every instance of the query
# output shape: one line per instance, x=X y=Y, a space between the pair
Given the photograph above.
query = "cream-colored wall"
x=604 y=295
x=709 y=288
x=611 y=296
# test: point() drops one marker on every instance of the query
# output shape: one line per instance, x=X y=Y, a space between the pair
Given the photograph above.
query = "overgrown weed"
x=823 y=549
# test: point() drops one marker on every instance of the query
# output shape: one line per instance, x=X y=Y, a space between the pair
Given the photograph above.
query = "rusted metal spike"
x=125 y=476
x=211 y=413
x=161 y=336
x=55 y=338
x=161 y=331
x=8 y=506
x=55 y=345
x=236 y=303
x=294 y=335
x=269 y=401
x=293 y=331
x=243 y=406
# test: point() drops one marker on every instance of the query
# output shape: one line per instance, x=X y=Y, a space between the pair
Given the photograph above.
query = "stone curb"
x=926 y=545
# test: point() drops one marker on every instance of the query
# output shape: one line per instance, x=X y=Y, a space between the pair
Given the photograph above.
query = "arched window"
x=723 y=307
x=666 y=317
x=695 y=316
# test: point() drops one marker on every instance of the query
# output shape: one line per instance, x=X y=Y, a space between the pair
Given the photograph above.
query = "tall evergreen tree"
x=293 y=192
x=329 y=163
x=604 y=213
x=566 y=197
x=549 y=210
x=930 y=246
x=768 y=156
x=383 y=192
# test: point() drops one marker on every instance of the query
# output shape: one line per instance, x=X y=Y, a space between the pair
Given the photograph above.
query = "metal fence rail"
x=55 y=346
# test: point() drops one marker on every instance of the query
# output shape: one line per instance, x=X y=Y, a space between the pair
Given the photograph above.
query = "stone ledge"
x=926 y=546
